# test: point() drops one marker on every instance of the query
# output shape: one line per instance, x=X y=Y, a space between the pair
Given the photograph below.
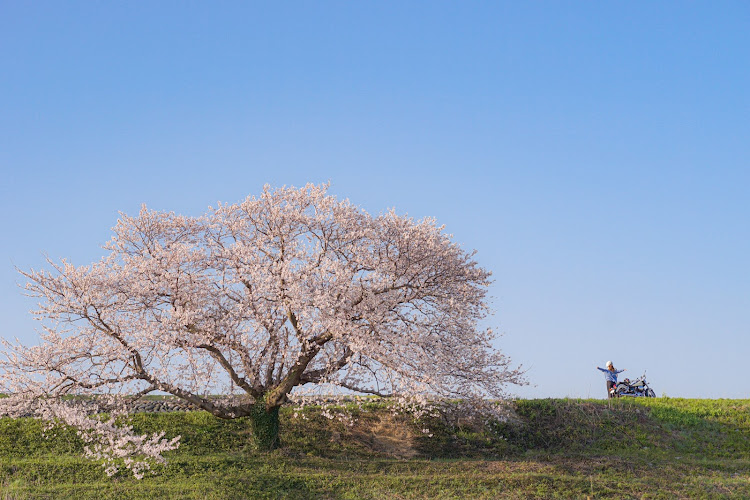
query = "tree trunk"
x=264 y=422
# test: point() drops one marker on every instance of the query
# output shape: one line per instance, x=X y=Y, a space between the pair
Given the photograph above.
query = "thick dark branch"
x=102 y=383
x=240 y=381
x=200 y=402
x=321 y=339
x=103 y=327
x=138 y=395
x=363 y=391
x=315 y=376
x=230 y=344
x=274 y=343
x=277 y=395
x=293 y=320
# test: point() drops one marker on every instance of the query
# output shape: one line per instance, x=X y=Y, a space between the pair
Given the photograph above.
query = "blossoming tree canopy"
x=292 y=289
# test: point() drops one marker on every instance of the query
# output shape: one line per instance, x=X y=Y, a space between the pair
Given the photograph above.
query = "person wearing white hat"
x=610 y=375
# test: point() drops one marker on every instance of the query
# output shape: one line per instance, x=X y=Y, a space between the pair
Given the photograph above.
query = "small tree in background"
x=291 y=289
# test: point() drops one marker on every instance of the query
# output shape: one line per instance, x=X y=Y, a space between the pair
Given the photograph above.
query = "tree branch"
x=364 y=391
x=240 y=381
x=315 y=376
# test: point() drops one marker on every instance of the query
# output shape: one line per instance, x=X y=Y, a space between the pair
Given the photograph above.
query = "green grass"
x=660 y=448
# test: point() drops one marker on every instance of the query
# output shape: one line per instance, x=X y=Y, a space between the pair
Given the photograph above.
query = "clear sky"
x=596 y=154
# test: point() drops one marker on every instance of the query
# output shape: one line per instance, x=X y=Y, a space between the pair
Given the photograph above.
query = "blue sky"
x=594 y=153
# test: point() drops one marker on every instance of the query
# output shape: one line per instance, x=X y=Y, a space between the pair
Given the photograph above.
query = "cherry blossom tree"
x=292 y=289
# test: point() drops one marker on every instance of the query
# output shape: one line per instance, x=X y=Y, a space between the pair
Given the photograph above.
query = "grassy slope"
x=662 y=448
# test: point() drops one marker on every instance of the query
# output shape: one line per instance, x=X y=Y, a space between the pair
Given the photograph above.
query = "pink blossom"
x=292 y=290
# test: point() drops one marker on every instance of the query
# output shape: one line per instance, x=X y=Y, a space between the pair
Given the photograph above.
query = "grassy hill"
x=660 y=448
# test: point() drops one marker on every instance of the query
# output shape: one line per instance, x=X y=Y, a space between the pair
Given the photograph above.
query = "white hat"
x=609 y=363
